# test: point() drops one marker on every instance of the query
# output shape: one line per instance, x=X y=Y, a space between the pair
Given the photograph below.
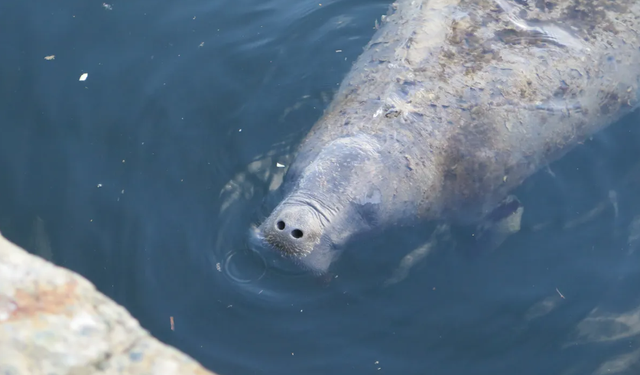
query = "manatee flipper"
x=441 y=234
x=501 y=223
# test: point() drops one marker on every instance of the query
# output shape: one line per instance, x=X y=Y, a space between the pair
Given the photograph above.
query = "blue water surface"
x=147 y=177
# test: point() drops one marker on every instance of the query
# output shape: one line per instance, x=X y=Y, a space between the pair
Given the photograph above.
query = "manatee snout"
x=299 y=231
x=293 y=229
x=331 y=197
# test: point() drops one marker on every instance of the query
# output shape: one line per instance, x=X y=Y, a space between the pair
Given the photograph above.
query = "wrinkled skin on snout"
x=335 y=196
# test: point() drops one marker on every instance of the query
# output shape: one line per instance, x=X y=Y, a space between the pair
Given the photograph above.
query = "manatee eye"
x=296 y=233
x=280 y=225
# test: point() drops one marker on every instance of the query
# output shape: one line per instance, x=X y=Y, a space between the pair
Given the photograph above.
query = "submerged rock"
x=54 y=321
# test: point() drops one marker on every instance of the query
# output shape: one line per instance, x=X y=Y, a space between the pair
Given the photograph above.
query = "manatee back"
x=467 y=98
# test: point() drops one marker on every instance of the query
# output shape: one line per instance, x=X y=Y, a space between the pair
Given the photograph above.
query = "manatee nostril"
x=280 y=225
x=296 y=233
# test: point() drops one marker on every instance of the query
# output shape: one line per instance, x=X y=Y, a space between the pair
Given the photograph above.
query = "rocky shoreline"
x=54 y=321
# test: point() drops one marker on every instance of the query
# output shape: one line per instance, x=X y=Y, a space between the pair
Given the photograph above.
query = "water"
x=147 y=177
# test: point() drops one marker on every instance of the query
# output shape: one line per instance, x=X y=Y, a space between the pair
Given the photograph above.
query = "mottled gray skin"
x=451 y=106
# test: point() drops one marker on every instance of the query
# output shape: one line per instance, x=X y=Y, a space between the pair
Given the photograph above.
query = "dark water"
x=146 y=178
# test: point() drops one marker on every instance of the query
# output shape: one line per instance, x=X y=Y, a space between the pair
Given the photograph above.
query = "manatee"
x=450 y=107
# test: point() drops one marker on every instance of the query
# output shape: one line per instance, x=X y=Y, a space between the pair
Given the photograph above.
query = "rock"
x=54 y=321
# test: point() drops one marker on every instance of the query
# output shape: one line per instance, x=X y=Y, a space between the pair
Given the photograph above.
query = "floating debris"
x=107 y=6
x=50 y=57
x=83 y=77
x=173 y=327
